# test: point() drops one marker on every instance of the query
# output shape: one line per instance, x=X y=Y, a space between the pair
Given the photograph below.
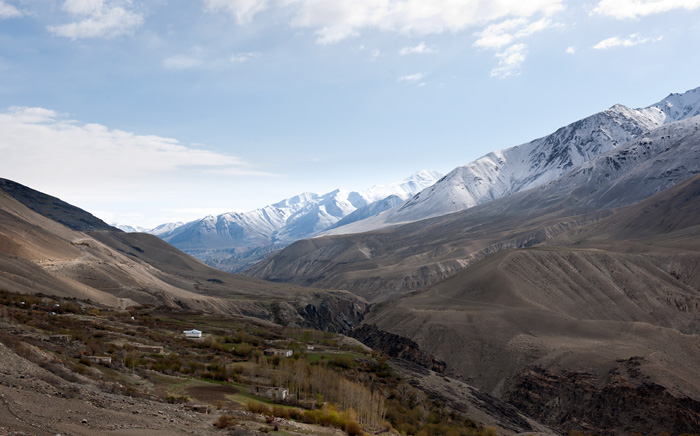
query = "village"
x=224 y=369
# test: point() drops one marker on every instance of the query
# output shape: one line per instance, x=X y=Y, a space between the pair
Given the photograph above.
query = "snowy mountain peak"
x=526 y=166
x=286 y=221
x=403 y=189
x=129 y=229
x=676 y=107
x=504 y=172
x=297 y=200
x=159 y=230
x=424 y=176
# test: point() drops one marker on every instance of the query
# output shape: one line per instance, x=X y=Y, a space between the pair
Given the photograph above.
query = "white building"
x=278 y=352
x=104 y=360
x=193 y=334
x=275 y=394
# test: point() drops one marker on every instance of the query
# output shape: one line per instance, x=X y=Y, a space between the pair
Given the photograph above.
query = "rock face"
x=619 y=405
x=333 y=314
x=396 y=346
x=472 y=402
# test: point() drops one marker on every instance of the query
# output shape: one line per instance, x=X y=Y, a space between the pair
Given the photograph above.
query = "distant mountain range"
x=236 y=240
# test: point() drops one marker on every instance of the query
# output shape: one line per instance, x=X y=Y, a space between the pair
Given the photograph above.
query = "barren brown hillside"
x=605 y=313
x=106 y=265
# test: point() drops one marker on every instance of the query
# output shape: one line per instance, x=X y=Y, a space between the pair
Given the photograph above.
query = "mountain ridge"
x=525 y=166
x=409 y=256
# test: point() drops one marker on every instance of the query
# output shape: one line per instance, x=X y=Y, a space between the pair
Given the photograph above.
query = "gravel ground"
x=36 y=402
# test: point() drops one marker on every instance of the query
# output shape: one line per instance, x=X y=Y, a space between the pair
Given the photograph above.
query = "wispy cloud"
x=630 y=41
x=412 y=78
x=8 y=11
x=571 y=50
x=419 y=49
x=114 y=173
x=504 y=34
x=333 y=21
x=98 y=19
x=40 y=143
x=636 y=8
x=509 y=61
x=498 y=35
x=244 y=57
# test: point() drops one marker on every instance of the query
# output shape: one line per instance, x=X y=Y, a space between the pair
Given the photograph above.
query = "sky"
x=147 y=112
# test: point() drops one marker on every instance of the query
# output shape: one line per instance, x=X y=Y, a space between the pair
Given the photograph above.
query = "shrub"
x=328 y=418
x=353 y=428
x=177 y=399
x=296 y=414
x=343 y=362
x=243 y=350
x=257 y=407
x=310 y=417
x=79 y=369
x=281 y=412
x=225 y=421
x=491 y=431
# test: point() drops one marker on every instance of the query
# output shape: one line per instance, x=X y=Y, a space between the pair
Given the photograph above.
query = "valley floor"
x=337 y=386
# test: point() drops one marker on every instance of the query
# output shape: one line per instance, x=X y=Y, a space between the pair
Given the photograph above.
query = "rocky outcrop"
x=627 y=402
x=467 y=400
x=396 y=346
x=334 y=314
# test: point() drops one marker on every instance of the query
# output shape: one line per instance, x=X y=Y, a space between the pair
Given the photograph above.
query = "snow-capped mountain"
x=164 y=228
x=650 y=163
x=159 y=230
x=282 y=223
x=419 y=254
x=129 y=229
x=677 y=107
x=372 y=209
x=535 y=163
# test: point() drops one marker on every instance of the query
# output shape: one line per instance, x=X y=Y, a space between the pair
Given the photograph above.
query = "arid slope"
x=608 y=312
x=97 y=262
